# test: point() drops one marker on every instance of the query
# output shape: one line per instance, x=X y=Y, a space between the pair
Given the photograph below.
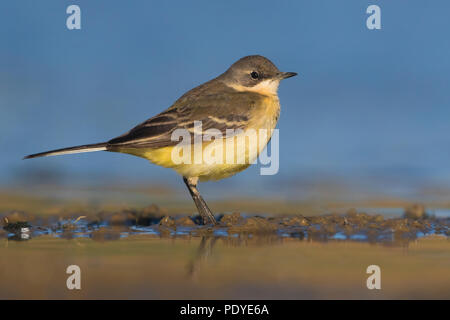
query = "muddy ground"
x=146 y=253
x=152 y=220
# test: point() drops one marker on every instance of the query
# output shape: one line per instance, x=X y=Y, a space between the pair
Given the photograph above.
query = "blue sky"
x=366 y=102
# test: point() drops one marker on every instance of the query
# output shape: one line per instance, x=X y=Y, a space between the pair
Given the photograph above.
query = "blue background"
x=367 y=105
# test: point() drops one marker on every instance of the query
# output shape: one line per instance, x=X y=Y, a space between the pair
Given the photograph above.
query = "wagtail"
x=241 y=99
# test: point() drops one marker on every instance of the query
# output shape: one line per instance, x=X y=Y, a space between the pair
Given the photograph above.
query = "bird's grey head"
x=255 y=73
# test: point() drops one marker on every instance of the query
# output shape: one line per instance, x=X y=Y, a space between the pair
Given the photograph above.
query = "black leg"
x=202 y=207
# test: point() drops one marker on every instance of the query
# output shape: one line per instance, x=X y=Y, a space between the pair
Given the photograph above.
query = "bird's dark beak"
x=285 y=75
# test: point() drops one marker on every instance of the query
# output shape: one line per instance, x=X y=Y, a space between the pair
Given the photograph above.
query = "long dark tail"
x=78 y=149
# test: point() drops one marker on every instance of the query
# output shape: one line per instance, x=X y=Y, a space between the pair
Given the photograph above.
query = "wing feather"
x=221 y=111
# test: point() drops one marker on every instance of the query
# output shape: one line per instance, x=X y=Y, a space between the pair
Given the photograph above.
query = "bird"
x=242 y=99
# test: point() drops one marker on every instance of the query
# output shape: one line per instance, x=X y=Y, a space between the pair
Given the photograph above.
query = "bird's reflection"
x=207 y=244
x=204 y=251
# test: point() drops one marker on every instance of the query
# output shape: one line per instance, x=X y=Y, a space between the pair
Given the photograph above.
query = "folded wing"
x=220 y=111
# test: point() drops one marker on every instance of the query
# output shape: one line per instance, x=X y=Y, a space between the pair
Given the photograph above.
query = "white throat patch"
x=266 y=87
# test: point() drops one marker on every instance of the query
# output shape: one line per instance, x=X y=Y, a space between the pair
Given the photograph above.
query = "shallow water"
x=151 y=267
x=245 y=257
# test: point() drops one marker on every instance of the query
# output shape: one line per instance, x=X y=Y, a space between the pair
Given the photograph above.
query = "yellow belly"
x=238 y=152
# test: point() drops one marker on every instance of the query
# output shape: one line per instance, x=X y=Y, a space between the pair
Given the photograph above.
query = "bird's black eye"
x=254 y=75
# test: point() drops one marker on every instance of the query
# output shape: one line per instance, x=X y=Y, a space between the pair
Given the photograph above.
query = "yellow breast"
x=238 y=152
